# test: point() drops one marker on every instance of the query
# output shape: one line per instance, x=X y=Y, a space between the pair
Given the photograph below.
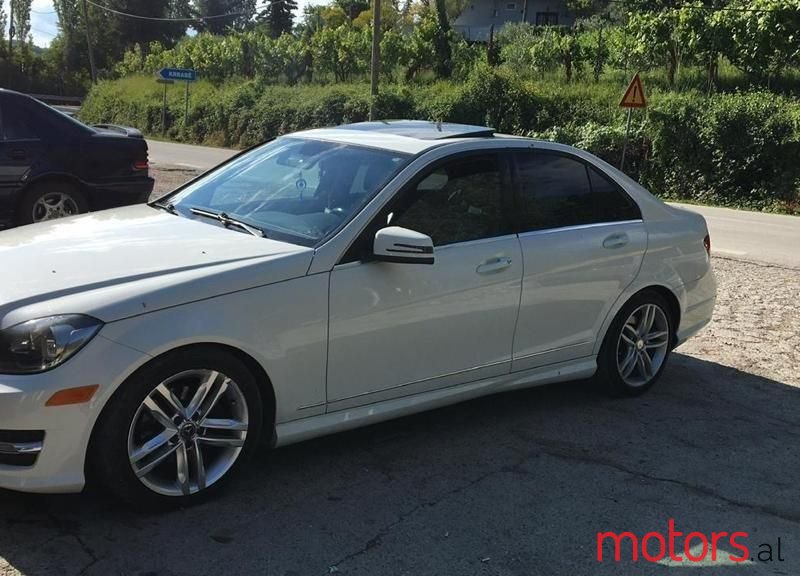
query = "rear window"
x=557 y=191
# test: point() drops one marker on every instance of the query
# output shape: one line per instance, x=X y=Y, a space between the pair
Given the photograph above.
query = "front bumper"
x=61 y=455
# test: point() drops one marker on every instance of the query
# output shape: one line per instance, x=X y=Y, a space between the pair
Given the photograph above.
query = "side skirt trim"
x=324 y=424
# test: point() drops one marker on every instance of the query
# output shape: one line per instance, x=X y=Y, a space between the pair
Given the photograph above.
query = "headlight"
x=44 y=343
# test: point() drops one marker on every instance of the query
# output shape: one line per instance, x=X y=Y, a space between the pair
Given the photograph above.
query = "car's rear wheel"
x=49 y=201
x=178 y=429
x=637 y=346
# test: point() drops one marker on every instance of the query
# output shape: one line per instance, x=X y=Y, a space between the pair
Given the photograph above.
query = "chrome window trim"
x=578 y=227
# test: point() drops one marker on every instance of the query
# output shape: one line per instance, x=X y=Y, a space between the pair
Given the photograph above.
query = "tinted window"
x=554 y=192
x=458 y=201
x=557 y=191
x=20 y=124
x=613 y=203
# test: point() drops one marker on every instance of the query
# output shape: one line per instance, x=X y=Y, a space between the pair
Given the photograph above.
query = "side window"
x=613 y=203
x=20 y=124
x=554 y=192
x=458 y=201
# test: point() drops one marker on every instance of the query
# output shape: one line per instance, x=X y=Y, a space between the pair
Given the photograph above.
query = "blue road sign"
x=186 y=74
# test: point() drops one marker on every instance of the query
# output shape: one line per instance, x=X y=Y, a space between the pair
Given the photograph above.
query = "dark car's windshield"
x=294 y=189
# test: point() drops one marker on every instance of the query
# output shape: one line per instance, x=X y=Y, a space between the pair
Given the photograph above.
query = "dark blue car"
x=52 y=166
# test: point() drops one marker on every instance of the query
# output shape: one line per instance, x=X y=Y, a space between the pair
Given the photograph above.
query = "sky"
x=44 y=22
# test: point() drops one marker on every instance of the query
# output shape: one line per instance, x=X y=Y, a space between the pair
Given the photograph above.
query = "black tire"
x=30 y=208
x=110 y=463
x=609 y=377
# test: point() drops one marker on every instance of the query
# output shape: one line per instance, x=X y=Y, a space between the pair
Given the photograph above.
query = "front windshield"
x=294 y=189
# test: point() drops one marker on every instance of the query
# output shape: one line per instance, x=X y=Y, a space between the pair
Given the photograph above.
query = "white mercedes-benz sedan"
x=326 y=280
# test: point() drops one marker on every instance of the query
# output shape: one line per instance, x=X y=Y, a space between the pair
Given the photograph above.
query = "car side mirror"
x=402 y=246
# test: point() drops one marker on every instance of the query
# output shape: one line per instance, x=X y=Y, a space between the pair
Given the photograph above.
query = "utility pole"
x=92 y=69
x=10 y=30
x=376 y=55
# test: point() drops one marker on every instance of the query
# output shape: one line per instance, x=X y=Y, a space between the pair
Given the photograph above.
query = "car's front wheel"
x=637 y=346
x=178 y=429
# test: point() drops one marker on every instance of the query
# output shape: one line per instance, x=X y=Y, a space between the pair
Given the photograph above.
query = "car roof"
x=409 y=136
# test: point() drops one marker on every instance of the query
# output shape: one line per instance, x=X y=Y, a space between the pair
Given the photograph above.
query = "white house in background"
x=479 y=16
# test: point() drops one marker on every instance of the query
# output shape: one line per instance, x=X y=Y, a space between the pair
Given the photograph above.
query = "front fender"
x=282 y=326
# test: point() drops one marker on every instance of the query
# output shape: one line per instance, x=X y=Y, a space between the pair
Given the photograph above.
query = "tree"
x=655 y=39
x=352 y=7
x=762 y=43
x=595 y=43
x=127 y=32
x=703 y=36
x=3 y=23
x=241 y=13
x=278 y=16
x=443 y=66
x=22 y=20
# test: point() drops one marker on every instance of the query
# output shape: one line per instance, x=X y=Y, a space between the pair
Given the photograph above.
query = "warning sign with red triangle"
x=634 y=96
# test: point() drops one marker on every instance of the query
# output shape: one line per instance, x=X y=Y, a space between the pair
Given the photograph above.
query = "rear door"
x=582 y=240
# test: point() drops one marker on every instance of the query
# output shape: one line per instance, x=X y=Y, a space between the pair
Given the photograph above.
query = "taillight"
x=141 y=165
x=707 y=244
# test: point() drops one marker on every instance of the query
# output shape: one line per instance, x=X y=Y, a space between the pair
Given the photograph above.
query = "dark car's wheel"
x=51 y=200
x=636 y=347
x=178 y=429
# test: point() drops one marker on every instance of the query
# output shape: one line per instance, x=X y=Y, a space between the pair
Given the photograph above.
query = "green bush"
x=731 y=149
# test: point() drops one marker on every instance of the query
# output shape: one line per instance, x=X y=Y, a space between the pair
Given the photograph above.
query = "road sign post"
x=168 y=76
x=634 y=97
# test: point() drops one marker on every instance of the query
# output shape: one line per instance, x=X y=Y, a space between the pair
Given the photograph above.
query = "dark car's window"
x=556 y=191
x=19 y=123
x=299 y=190
x=458 y=201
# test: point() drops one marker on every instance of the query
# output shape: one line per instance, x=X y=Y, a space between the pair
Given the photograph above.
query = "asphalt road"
x=186 y=155
x=515 y=484
x=769 y=238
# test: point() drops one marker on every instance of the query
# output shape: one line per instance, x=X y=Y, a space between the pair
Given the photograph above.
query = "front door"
x=400 y=329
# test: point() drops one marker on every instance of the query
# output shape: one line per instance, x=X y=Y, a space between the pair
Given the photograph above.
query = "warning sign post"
x=634 y=97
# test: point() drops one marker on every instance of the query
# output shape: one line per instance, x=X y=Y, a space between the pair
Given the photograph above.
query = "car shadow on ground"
x=518 y=483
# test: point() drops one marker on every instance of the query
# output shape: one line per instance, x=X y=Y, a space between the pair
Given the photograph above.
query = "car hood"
x=120 y=263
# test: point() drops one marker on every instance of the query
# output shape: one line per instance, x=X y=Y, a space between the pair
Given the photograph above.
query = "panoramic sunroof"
x=422 y=129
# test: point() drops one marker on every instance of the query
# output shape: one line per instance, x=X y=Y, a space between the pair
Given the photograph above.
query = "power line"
x=157 y=19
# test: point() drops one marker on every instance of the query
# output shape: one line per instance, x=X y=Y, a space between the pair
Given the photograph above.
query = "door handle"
x=616 y=241
x=18 y=154
x=493 y=265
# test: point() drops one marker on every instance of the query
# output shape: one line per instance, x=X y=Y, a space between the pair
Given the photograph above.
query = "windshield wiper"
x=226 y=221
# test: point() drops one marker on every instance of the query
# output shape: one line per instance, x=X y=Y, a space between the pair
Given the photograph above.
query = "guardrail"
x=53 y=99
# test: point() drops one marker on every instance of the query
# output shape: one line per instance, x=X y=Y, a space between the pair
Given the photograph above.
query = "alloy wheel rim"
x=188 y=432
x=54 y=205
x=643 y=344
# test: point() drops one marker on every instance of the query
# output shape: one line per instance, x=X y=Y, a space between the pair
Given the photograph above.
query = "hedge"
x=740 y=149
